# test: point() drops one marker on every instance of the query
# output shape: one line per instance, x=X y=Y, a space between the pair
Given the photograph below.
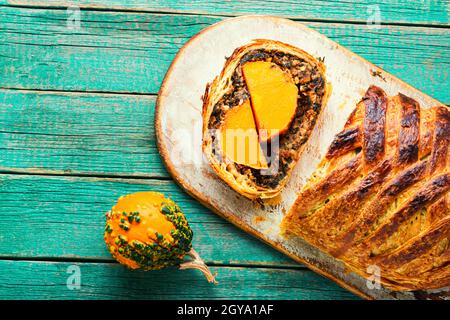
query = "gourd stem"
x=199 y=264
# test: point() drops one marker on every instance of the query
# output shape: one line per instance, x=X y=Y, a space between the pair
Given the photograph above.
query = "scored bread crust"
x=379 y=200
x=221 y=86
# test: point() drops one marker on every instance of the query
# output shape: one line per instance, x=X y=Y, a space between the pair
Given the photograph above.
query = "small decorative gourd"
x=147 y=231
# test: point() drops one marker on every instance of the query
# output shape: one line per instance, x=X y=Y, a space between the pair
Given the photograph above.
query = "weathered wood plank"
x=78 y=133
x=73 y=133
x=64 y=217
x=417 y=11
x=130 y=52
x=48 y=280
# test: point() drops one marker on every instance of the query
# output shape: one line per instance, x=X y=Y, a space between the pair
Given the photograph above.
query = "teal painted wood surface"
x=56 y=217
x=37 y=279
x=99 y=134
x=76 y=131
x=433 y=12
x=130 y=52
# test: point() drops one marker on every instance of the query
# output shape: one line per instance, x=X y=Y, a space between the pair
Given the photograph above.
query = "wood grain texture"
x=130 y=52
x=71 y=133
x=47 y=280
x=63 y=217
x=433 y=12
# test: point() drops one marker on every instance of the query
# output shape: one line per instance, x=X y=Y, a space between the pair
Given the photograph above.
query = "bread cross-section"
x=285 y=88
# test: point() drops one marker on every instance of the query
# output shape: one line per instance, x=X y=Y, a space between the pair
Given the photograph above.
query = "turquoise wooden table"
x=77 y=97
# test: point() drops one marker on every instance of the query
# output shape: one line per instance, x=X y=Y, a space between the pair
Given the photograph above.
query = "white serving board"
x=178 y=126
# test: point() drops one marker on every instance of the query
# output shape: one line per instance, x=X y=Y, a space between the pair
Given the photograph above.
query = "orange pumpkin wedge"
x=239 y=138
x=273 y=96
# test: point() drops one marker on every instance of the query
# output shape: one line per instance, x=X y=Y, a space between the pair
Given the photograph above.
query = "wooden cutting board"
x=178 y=125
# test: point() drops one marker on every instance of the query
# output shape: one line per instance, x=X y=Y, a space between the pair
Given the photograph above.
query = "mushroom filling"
x=311 y=89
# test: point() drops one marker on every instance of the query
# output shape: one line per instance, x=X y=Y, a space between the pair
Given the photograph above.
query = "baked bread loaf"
x=259 y=112
x=380 y=197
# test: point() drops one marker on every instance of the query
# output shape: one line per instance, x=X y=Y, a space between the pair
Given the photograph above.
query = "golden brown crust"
x=221 y=86
x=391 y=210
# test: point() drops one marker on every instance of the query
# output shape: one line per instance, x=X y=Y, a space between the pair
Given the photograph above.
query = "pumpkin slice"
x=273 y=96
x=239 y=138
